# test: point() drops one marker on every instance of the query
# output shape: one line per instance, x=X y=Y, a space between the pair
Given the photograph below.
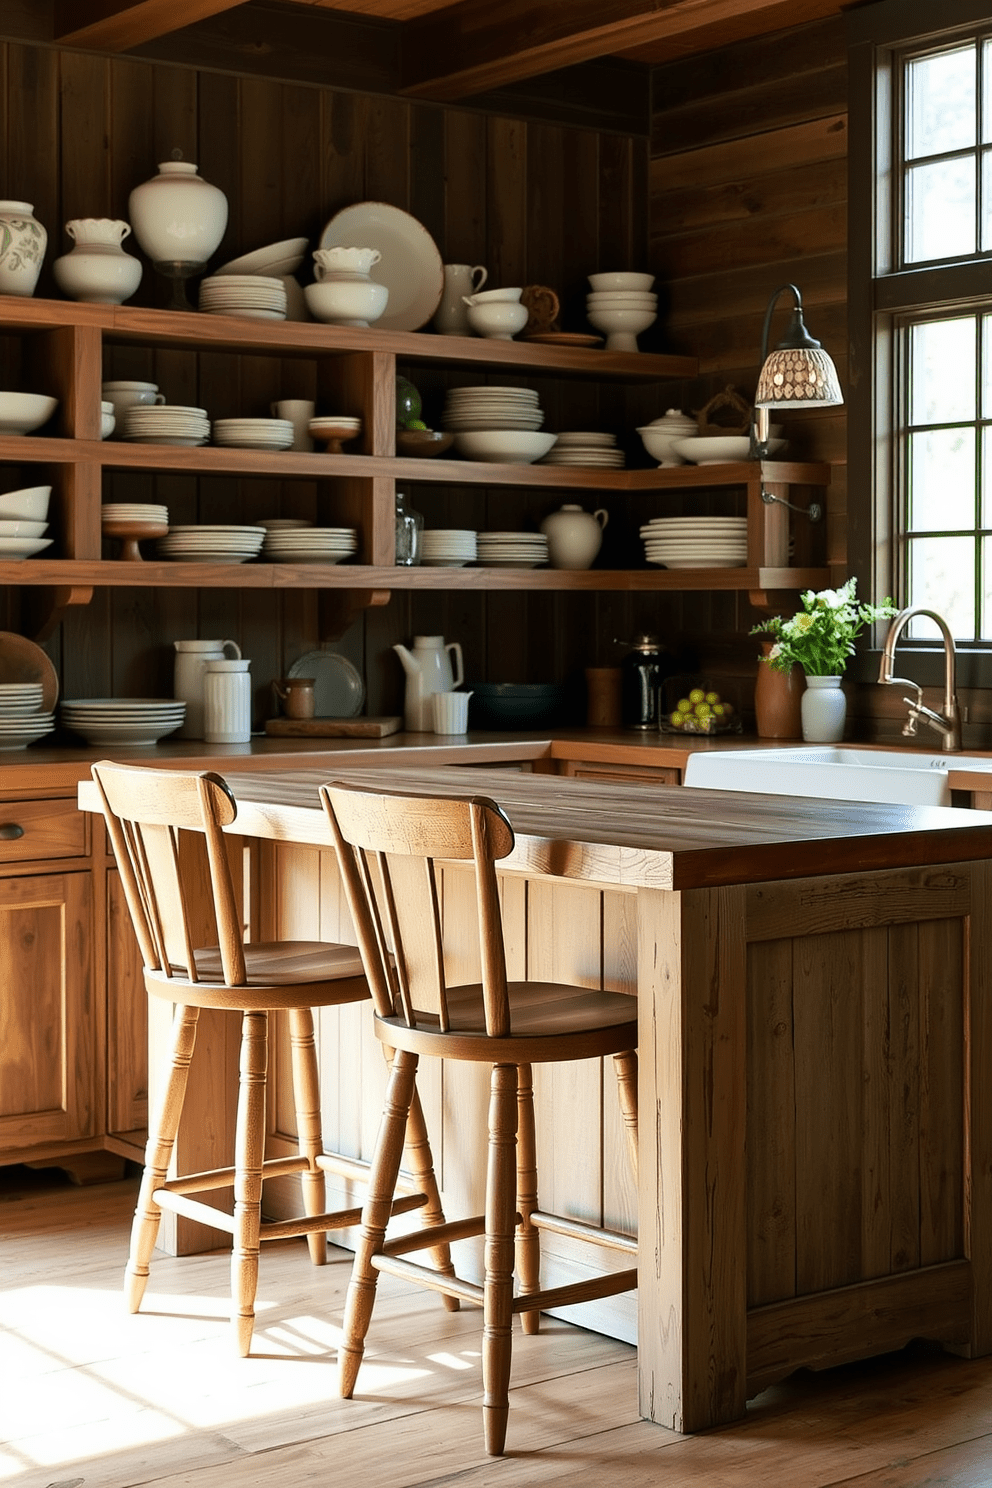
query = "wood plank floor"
x=91 y=1397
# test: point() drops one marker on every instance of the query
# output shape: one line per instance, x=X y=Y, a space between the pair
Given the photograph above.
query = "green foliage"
x=820 y=637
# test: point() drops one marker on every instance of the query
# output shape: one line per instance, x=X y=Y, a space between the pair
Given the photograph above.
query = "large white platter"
x=410 y=266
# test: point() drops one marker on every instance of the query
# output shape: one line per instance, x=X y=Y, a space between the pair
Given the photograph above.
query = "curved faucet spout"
x=947 y=723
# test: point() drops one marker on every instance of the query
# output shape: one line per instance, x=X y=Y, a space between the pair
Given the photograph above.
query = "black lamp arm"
x=796 y=334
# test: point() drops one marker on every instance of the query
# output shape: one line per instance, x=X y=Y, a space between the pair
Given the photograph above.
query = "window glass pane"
x=985 y=633
x=986 y=517
x=941 y=492
x=987 y=92
x=942 y=362
x=940 y=209
x=941 y=577
x=986 y=203
x=940 y=103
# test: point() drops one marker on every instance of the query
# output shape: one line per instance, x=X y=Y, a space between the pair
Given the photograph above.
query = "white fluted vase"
x=824 y=710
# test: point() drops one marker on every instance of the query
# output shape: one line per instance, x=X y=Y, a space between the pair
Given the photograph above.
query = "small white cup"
x=299 y=412
x=449 y=712
x=124 y=395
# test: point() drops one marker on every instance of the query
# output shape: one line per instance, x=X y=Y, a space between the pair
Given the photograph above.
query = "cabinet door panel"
x=51 y=1037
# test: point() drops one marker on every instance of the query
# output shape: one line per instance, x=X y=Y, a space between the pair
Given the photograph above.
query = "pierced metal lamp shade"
x=798 y=375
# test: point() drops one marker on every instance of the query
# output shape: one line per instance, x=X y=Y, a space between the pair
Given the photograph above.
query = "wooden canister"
x=603 y=697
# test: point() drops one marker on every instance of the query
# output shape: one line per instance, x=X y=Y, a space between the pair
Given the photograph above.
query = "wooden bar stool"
x=146 y=810
x=388 y=845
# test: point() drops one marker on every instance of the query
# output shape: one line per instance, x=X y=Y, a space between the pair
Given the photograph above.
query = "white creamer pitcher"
x=428 y=670
x=227 y=702
x=451 y=315
x=191 y=664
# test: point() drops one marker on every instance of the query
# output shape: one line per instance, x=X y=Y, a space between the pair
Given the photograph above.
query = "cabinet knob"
x=9 y=831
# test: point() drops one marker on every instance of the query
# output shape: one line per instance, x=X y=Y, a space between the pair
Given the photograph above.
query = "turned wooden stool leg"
x=306 y=1093
x=625 y=1065
x=375 y=1216
x=528 y=1239
x=158 y=1155
x=249 y=1151
x=497 y=1306
x=421 y=1161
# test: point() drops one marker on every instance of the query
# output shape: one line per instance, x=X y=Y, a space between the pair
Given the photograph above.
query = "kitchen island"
x=815 y=1010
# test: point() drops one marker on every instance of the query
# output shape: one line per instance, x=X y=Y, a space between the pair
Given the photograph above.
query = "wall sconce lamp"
x=798 y=373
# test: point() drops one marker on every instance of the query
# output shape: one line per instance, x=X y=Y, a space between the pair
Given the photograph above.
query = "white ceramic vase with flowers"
x=820 y=638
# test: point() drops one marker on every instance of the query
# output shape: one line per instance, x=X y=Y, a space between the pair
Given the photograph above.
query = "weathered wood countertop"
x=645 y=836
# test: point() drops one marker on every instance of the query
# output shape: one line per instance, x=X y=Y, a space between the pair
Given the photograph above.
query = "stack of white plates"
x=696 y=542
x=254 y=433
x=253 y=296
x=16 y=545
x=123 y=720
x=212 y=544
x=450 y=547
x=21 y=718
x=133 y=511
x=586 y=448
x=310 y=544
x=472 y=408
x=512 y=549
x=167 y=423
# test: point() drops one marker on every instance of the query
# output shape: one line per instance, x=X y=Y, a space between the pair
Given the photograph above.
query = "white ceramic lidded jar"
x=97 y=270
x=574 y=536
x=22 y=248
x=227 y=702
x=192 y=658
x=177 y=216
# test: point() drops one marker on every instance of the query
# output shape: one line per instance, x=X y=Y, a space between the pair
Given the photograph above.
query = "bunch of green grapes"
x=700 y=712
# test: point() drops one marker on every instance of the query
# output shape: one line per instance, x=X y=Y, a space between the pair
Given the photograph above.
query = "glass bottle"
x=409 y=526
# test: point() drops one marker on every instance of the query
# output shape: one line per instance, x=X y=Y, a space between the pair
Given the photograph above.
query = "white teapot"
x=428 y=670
x=574 y=536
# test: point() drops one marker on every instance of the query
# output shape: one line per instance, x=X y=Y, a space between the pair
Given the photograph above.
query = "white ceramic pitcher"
x=191 y=664
x=451 y=315
x=227 y=702
x=428 y=670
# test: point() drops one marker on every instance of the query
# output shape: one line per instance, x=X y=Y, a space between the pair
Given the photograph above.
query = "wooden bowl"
x=422 y=443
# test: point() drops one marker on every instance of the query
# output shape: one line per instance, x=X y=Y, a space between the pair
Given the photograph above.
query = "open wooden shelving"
x=355 y=373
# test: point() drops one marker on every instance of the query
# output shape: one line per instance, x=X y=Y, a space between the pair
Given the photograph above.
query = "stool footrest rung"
x=273 y=1167
x=578 y=1291
x=354 y=1167
x=451 y=1286
x=576 y=1229
x=178 y=1203
x=338 y=1219
x=439 y=1234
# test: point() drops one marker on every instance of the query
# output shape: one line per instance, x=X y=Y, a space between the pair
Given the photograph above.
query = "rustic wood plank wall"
x=534 y=200
x=748 y=191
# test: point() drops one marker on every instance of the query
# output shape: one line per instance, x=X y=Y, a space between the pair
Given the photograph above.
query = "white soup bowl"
x=499 y=320
x=347 y=302
x=27 y=505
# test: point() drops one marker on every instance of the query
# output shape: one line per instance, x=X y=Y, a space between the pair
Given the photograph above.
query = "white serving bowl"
x=107 y=425
x=621 y=280
x=353 y=302
x=346 y=262
x=11 y=528
x=504 y=446
x=27 y=505
x=494 y=297
x=661 y=444
x=622 y=327
x=20 y=413
x=499 y=320
x=622 y=297
x=718 y=449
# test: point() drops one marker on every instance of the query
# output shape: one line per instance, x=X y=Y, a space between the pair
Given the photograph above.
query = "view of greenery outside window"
x=929 y=231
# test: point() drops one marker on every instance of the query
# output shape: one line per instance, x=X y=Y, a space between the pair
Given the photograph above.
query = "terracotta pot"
x=778 y=700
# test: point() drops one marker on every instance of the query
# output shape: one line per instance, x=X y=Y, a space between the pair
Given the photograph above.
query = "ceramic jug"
x=574 y=536
x=97 y=270
x=451 y=316
x=428 y=670
x=191 y=665
x=22 y=248
x=227 y=702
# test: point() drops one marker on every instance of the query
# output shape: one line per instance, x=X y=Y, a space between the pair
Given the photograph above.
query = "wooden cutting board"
x=340 y=728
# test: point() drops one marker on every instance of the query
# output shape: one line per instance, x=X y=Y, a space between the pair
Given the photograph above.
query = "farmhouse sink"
x=893 y=775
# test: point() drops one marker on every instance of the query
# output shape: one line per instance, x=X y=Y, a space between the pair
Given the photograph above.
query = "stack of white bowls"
x=166 y=423
x=696 y=542
x=448 y=547
x=251 y=296
x=212 y=544
x=310 y=544
x=512 y=549
x=587 y=448
x=123 y=720
x=21 y=718
x=23 y=523
x=623 y=305
x=254 y=433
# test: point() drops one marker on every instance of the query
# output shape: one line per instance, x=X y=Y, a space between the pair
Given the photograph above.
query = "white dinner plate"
x=338 y=691
x=410 y=266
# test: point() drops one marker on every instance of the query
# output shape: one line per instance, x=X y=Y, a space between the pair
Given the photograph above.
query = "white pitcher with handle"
x=451 y=315
x=191 y=665
x=428 y=670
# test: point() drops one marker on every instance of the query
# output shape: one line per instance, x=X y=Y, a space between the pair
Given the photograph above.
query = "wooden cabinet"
x=592 y=770
x=66 y=349
x=52 y=1009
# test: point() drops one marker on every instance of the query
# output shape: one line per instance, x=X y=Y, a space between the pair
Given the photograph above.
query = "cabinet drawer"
x=32 y=830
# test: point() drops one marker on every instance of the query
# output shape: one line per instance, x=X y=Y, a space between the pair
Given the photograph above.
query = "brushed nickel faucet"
x=947 y=722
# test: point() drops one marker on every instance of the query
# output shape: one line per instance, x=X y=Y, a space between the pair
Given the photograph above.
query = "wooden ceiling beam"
x=119 y=25
x=484 y=44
